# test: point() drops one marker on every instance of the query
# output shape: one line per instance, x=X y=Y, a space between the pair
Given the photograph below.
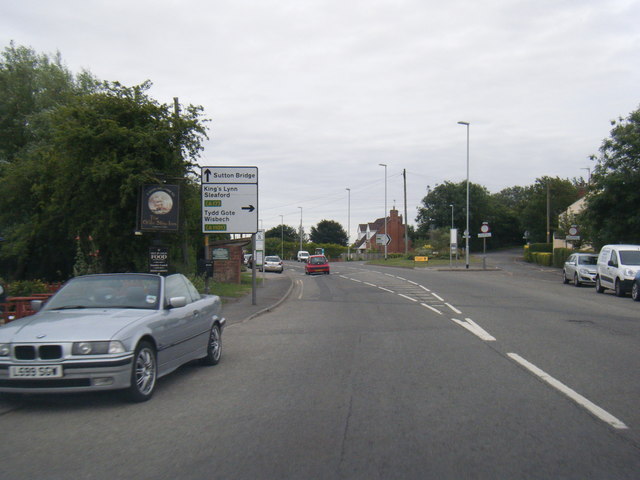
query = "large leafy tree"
x=289 y=234
x=436 y=209
x=614 y=191
x=78 y=174
x=329 y=231
x=557 y=193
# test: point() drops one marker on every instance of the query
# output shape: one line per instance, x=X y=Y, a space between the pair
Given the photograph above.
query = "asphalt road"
x=374 y=372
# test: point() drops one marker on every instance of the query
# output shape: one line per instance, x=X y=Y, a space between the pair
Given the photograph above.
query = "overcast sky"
x=317 y=94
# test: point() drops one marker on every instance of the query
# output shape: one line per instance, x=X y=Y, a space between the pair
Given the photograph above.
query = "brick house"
x=366 y=239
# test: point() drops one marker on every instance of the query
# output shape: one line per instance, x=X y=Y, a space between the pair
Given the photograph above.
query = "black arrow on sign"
x=251 y=208
x=207 y=172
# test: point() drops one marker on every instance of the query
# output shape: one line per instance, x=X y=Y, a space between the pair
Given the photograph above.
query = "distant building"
x=366 y=237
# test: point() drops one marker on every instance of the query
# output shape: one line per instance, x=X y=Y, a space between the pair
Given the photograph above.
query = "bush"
x=560 y=256
x=25 y=288
x=543 y=258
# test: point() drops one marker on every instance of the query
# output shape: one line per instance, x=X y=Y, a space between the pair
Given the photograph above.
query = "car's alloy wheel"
x=143 y=373
x=635 y=293
x=214 y=346
x=576 y=282
x=618 y=289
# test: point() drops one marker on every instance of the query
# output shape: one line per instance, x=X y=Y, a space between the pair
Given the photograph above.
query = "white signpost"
x=229 y=199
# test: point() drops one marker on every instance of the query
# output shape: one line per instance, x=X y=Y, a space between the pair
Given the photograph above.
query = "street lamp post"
x=282 y=237
x=385 y=206
x=300 y=227
x=467 y=233
x=349 y=224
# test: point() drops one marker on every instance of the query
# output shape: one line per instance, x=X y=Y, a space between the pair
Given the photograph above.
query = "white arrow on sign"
x=383 y=239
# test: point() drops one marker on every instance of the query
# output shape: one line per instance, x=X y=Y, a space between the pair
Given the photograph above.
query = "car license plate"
x=35 y=371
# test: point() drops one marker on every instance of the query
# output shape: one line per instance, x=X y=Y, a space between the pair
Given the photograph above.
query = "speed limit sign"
x=485 y=227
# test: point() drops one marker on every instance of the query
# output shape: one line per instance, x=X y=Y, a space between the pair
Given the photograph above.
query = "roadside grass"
x=433 y=262
x=228 y=290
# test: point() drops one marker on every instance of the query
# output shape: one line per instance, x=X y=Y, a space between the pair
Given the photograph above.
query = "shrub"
x=560 y=256
x=543 y=258
x=25 y=288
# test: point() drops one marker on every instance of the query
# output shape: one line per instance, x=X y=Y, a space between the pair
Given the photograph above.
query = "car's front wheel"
x=576 y=282
x=599 y=288
x=143 y=373
x=618 y=289
x=214 y=346
x=635 y=292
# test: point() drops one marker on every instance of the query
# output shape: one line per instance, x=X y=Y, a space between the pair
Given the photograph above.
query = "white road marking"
x=431 y=308
x=476 y=329
x=424 y=288
x=437 y=296
x=400 y=278
x=453 y=308
x=412 y=282
x=299 y=282
x=572 y=394
x=370 y=284
x=354 y=280
x=408 y=298
x=386 y=290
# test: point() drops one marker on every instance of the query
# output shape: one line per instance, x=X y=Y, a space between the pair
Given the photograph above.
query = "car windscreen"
x=318 y=261
x=108 y=291
x=588 y=260
x=630 y=257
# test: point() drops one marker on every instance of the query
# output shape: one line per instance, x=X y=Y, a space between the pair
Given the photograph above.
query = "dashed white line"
x=572 y=394
x=424 y=288
x=408 y=298
x=354 y=280
x=386 y=290
x=412 y=282
x=370 y=284
x=455 y=310
x=431 y=308
x=437 y=296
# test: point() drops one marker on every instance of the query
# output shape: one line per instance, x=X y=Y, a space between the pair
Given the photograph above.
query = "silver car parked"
x=108 y=332
x=580 y=268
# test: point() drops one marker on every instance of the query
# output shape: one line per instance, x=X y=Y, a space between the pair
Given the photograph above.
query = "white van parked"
x=303 y=256
x=617 y=268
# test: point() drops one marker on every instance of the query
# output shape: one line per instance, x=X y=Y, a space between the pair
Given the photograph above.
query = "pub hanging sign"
x=159 y=207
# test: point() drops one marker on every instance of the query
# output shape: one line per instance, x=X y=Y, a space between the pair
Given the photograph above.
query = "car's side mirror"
x=177 y=302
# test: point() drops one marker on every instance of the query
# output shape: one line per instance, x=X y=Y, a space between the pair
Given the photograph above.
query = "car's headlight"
x=97 y=348
x=5 y=349
x=630 y=272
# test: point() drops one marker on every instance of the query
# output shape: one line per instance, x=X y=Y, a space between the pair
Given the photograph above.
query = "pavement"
x=274 y=290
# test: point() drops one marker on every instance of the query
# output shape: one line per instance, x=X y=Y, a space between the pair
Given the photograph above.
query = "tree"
x=329 y=231
x=559 y=192
x=290 y=234
x=30 y=84
x=79 y=172
x=614 y=192
x=436 y=210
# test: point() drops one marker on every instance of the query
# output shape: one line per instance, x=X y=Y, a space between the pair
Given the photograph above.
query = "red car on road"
x=316 y=264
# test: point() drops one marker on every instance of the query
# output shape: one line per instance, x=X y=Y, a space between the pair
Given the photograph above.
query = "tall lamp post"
x=282 y=237
x=300 y=227
x=349 y=224
x=385 y=206
x=467 y=233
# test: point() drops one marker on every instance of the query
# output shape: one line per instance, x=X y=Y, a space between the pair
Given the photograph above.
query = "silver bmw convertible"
x=108 y=332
